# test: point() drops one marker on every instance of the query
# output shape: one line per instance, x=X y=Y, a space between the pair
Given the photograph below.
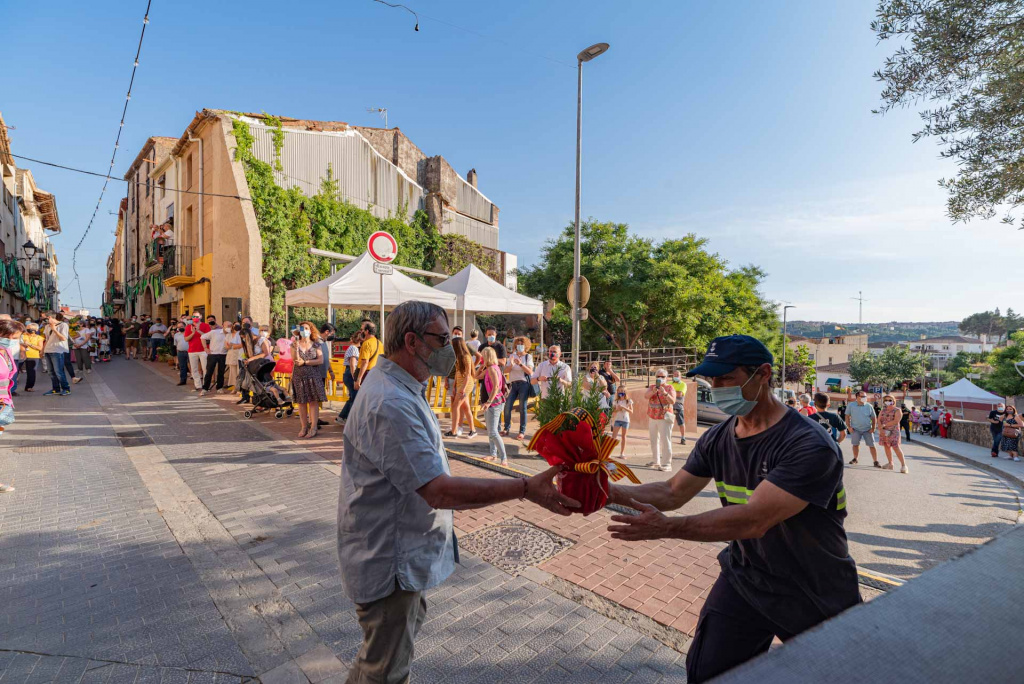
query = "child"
x=104 y=345
x=620 y=418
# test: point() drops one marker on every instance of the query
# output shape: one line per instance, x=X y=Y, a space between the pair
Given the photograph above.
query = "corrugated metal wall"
x=364 y=178
x=477 y=231
x=468 y=200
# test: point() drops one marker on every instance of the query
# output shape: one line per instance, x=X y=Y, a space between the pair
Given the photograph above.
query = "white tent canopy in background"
x=964 y=390
x=356 y=286
x=478 y=292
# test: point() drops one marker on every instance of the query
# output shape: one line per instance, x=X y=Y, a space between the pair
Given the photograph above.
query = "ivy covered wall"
x=291 y=222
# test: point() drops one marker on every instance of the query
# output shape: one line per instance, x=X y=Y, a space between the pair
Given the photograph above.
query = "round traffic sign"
x=382 y=247
x=584 y=291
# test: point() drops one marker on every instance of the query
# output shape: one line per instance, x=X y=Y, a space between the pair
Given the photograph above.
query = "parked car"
x=707 y=412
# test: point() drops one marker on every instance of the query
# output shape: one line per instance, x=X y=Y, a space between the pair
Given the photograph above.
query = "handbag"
x=1011 y=432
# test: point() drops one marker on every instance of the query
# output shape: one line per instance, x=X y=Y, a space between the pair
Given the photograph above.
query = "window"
x=188 y=225
x=162 y=184
x=830 y=360
x=188 y=172
x=147 y=186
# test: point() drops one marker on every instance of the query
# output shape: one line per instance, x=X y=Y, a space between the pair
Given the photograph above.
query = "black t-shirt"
x=498 y=347
x=831 y=423
x=905 y=418
x=800 y=572
x=608 y=377
x=995 y=428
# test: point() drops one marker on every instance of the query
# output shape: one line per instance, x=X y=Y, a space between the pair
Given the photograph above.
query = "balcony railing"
x=177 y=260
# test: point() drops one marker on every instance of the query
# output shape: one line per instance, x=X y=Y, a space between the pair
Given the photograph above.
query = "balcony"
x=177 y=265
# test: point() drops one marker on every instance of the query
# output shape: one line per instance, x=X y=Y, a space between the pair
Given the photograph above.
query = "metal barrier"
x=639 y=365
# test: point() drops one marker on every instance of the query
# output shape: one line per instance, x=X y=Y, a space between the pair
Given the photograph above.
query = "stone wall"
x=441 y=179
x=971 y=432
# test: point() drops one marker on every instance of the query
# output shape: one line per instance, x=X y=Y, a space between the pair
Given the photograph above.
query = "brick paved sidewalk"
x=664 y=580
x=157 y=536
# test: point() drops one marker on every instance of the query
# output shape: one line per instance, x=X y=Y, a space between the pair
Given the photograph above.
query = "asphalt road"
x=899 y=525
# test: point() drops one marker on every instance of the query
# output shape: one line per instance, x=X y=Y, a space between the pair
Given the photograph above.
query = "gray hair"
x=805 y=399
x=409 y=317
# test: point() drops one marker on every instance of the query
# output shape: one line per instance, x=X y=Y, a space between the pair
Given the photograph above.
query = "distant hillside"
x=877 y=332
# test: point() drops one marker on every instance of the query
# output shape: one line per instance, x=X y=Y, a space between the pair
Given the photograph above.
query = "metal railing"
x=177 y=260
x=639 y=365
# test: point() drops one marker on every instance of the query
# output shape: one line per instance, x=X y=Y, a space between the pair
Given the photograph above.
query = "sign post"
x=382 y=248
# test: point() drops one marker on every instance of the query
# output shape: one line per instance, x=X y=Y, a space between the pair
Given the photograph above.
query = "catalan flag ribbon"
x=574 y=439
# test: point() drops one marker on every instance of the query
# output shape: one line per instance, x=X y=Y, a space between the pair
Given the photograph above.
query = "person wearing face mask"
x=553 y=367
x=181 y=347
x=510 y=341
x=889 y=433
x=234 y=355
x=520 y=369
x=995 y=419
x=661 y=397
x=215 y=344
x=349 y=378
x=622 y=412
x=491 y=342
x=861 y=421
x=307 y=383
x=10 y=335
x=1011 y=433
x=397 y=494
x=494 y=380
x=779 y=476
x=679 y=408
x=610 y=376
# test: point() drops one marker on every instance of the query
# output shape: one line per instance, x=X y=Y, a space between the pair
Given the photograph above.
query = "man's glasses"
x=445 y=338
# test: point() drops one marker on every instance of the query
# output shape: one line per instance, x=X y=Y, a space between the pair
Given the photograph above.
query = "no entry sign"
x=382 y=247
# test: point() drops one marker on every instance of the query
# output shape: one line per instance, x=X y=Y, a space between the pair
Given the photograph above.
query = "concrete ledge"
x=959 y=622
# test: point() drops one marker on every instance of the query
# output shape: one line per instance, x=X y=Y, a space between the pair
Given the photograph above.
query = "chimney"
x=471 y=177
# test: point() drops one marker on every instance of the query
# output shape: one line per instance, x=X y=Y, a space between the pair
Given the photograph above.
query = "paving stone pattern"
x=90 y=569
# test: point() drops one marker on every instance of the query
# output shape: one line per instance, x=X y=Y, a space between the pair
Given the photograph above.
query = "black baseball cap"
x=726 y=353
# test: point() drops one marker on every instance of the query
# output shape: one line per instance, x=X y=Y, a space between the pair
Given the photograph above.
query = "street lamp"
x=29 y=248
x=785 y=343
x=595 y=50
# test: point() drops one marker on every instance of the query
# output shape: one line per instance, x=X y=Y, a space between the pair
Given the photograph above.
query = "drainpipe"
x=201 y=189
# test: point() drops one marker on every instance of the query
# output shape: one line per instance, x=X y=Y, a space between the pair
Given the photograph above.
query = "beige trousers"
x=389 y=629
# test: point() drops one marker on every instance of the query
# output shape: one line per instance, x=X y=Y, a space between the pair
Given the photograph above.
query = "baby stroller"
x=266 y=393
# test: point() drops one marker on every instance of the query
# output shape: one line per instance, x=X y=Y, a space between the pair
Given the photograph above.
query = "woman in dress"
x=1012 y=424
x=462 y=390
x=307 y=384
x=497 y=389
x=889 y=432
x=234 y=343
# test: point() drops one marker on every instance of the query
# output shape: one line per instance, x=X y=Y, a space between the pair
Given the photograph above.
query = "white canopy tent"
x=964 y=391
x=356 y=286
x=477 y=292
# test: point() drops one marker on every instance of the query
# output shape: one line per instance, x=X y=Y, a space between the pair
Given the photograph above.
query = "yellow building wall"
x=198 y=295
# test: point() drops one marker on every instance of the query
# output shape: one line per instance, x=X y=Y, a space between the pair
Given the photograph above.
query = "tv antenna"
x=860 y=298
x=383 y=111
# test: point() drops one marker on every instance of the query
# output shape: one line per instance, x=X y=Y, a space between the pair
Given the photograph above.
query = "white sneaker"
x=653 y=464
x=905 y=470
x=1016 y=458
x=666 y=469
x=458 y=433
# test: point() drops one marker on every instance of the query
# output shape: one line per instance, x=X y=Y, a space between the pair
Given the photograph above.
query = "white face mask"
x=520 y=348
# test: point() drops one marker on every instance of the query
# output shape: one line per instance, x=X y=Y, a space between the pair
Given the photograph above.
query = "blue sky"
x=747 y=123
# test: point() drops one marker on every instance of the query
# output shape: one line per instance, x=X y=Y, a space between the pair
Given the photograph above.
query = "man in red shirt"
x=196 y=353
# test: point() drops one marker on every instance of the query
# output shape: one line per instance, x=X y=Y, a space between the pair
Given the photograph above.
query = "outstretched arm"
x=668 y=495
x=462 y=493
x=769 y=505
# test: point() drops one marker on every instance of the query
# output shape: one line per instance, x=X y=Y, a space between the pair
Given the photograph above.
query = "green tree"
x=799 y=367
x=899 y=364
x=673 y=293
x=960 y=365
x=964 y=56
x=1004 y=379
x=865 y=368
x=992 y=324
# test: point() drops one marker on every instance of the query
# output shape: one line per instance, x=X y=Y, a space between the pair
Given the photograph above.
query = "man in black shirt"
x=995 y=419
x=831 y=423
x=491 y=340
x=780 y=479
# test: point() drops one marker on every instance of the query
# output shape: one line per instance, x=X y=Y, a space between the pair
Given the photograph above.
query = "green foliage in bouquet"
x=563 y=399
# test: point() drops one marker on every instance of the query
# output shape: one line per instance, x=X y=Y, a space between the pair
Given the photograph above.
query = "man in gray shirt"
x=861 y=420
x=395 y=538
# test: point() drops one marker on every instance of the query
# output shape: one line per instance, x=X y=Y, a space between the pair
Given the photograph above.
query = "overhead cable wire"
x=113 y=156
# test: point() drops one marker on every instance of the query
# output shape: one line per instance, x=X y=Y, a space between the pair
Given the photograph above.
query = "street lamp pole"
x=785 y=343
x=584 y=56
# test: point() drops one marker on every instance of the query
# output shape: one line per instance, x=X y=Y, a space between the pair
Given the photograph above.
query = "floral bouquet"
x=576 y=439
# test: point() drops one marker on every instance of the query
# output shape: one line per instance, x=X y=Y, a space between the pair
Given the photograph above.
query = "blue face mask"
x=731 y=401
x=8 y=343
